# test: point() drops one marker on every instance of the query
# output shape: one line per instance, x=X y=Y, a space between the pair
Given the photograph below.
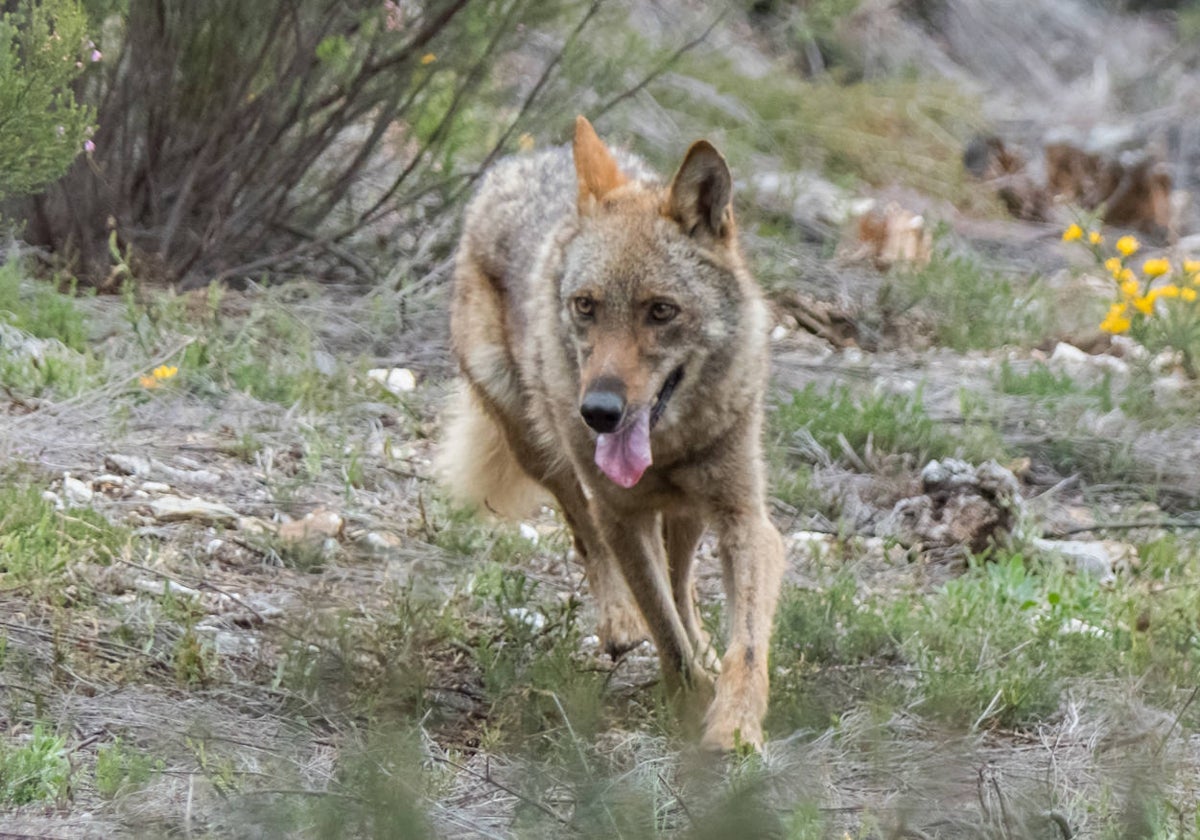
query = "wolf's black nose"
x=602 y=409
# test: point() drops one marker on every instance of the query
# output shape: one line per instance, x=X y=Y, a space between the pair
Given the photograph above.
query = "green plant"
x=890 y=423
x=121 y=768
x=35 y=771
x=1161 y=317
x=37 y=542
x=976 y=308
x=39 y=310
x=43 y=48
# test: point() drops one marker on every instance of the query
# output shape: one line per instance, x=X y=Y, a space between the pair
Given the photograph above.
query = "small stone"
x=529 y=532
x=1099 y=558
x=532 y=619
x=75 y=491
x=316 y=526
x=254 y=525
x=779 y=333
x=396 y=380
x=156 y=487
x=52 y=497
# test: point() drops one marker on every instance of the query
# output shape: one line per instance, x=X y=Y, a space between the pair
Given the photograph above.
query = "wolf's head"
x=650 y=295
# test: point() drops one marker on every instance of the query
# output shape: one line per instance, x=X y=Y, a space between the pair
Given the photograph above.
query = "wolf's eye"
x=661 y=312
x=585 y=307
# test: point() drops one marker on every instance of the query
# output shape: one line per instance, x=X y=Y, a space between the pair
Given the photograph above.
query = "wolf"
x=613 y=351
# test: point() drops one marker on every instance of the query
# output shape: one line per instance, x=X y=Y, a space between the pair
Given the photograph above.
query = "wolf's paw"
x=622 y=627
x=730 y=727
x=734 y=719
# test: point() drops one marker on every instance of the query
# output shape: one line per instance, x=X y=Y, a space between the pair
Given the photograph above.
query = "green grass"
x=879 y=131
x=39 y=543
x=890 y=423
x=967 y=306
x=56 y=360
x=122 y=768
x=36 y=770
x=997 y=647
x=37 y=308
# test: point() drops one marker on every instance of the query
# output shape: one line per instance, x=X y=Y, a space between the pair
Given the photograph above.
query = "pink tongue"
x=624 y=456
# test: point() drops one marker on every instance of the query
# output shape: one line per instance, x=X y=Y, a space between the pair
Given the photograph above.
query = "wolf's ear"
x=594 y=165
x=700 y=193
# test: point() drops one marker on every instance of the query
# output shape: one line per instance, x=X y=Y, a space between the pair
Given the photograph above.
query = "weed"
x=37 y=542
x=1036 y=381
x=976 y=308
x=884 y=423
x=35 y=771
x=38 y=309
x=193 y=659
x=121 y=768
x=529 y=668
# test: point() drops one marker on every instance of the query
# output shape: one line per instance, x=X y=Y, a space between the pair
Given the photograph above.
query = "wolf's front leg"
x=751 y=553
x=637 y=545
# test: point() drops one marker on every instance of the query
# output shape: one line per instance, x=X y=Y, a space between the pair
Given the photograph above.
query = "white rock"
x=1099 y=558
x=396 y=380
x=529 y=532
x=156 y=487
x=1165 y=387
x=177 y=508
x=779 y=333
x=530 y=618
x=76 y=492
x=52 y=497
x=128 y=464
x=213 y=547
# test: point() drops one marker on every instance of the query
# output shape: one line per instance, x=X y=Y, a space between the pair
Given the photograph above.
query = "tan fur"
x=476 y=464
x=578 y=271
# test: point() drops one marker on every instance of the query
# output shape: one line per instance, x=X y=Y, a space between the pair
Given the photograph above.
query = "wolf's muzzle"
x=603 y=405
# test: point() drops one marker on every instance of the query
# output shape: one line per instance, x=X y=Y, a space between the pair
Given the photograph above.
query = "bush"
x=238 y=138
x=42 y=127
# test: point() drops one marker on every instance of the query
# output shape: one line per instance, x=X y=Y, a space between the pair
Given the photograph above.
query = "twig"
x=660 y=69
x=1126 y=526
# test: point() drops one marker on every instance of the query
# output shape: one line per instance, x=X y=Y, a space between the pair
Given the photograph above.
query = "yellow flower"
x=148 y=382
x=1169 y=291
x=1117 y=321
x=428 y=58
x=1126 y=275
x=1127 y=246
x=1191 y=266
x=1145 y=303
x=1094 y=237
x=1187 y=294
x=1072 y=233
x=525 y=142
x=165 y=371
x=1113 y=264
x=1130 y=287
x=1156 y=268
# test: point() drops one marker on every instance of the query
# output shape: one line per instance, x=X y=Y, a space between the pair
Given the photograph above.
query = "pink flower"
x=89 y=146
x=96 y=56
